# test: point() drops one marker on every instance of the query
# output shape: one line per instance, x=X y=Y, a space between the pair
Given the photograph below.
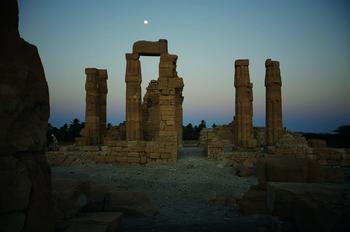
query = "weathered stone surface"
x=273 y=83
x=96 y=222
x=290 y=169
x=133 y=97
x=70 y=196
x=24 y=93
x=159 y=116
x=243 y=171
x=95 y=110
x=243 y=120
x=253 y=201
x=150 y=48
x=312 y=207
x=130 y=203
x=25 y=199
x=292 y=144
x=12 y=222
x=317 y=143
x=15 y=179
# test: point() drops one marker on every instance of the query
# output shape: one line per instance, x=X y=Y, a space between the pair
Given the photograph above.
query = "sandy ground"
x=182 y=192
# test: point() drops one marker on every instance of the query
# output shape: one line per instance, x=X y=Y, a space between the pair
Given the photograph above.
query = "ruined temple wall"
x=116 y=152
x=150 y=112
x=150 y=123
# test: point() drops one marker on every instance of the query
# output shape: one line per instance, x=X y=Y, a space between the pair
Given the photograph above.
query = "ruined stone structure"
x=273 y=83
x=152 y=131
x=25 y=197
x=159 y=116
x=243 y=120
x=95 y=110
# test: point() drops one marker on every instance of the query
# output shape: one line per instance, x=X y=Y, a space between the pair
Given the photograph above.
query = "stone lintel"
x=150 y=48
x=242 y=62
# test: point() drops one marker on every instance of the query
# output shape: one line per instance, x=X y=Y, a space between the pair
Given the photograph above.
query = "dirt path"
x=182 y=192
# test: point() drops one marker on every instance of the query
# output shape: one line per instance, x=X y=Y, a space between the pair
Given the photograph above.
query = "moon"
x=145 y=22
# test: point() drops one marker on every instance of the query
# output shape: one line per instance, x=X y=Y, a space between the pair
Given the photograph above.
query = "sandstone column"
x=273 y=83
x=179 y=114
x=133 y=97
x=243 y=124
x=102 y=91
x=92 y=109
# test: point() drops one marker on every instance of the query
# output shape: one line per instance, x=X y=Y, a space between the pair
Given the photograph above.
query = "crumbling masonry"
x=243 y=120
x=273 y=83
x=153 y=128
x=95 y=110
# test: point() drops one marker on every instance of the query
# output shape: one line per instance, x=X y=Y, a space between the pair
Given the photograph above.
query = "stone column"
x=92 y=112
x=179 y=114
x=102 y=90
x=243 y=124
x=273 y=83
x=167 y=84
x=133 y=97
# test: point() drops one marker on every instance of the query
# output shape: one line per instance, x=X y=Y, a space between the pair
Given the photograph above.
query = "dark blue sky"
x=311 y=39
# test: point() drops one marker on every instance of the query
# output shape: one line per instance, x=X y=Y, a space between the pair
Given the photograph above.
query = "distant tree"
x=187 y=133
x=65 y=132
x=191 y=132
x=109 y=125
x=74 y=130
x=202 y=125
x=213 y=126
x=343 y=130
x=343 y=136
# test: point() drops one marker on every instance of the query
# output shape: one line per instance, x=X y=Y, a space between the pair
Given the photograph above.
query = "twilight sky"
x=311 y=39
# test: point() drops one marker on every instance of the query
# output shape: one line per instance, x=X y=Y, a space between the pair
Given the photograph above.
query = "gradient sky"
x=311 y=39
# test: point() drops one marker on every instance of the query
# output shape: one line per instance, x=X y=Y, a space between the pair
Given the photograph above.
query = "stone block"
x=317 y=143
x=134 y=154
x=96 y=222
x=122 y=159
x=253 y=201
x=130 y=203
x=154 y=155
x=311 y=206
x=289 y=169
x=165 y=155
x=133 y=159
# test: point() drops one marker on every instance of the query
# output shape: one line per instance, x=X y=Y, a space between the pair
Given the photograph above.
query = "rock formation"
x=273 y=83
x=25 y=196
x=95 y=110
x=243 y=120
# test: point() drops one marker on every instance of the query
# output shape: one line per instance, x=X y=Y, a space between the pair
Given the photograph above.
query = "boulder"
x=290 y=169
x=311 y=206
